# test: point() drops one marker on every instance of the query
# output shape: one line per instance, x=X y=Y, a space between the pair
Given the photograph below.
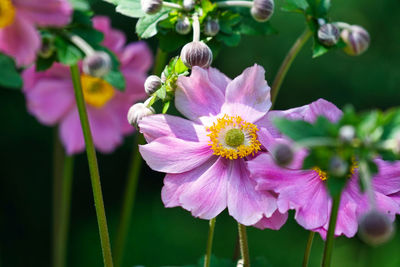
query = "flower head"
x=18 y=19
x=50 y=95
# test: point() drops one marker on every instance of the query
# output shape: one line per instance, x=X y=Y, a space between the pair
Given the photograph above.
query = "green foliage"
x=130 y=8
x=9 y=76
x=146 y=26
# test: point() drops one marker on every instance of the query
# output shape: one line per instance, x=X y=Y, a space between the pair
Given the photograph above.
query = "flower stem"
x=327 y=258
x=172 y=5
x=209 y=243
x=128 y=203
x=287 y=62
x=244 y=248
x=308 y=249
x=93 y=168
x=248 y=4
x=196 y=28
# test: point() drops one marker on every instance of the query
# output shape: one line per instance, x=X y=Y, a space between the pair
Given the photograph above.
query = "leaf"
x=319 y=8
x=319 y=49
x=180 y=68
x=116 y=79
x=130 y=8
x=166 y=107
x=229 y=40
x=251 y=27
x=297 y=129
x=227 y=20
x=81 y=5
x=296 y=6
x=161 y=93
x=146 y=26
x=43 y=64
x=67 y=53
x=9 y=77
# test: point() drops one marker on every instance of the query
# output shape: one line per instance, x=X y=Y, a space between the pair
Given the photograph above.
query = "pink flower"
x=50 y=96
x=18 y=19
x=305 y=190
x=205 y=157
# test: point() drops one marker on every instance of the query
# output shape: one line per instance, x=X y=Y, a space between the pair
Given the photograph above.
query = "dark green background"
x=161 y=236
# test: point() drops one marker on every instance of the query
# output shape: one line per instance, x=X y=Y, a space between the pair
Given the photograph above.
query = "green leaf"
x=166 y=107
x=43 y=64
x=229 y=40
x=161 y=93
x=146 y=26
x=130 y=8
x=227 y=20
x=81 y=5
x=67 y=53
x=298 y=129
x=116 y=79
x=296 y=6
x=319 y=49
x=335 y=185
x=9 y=77
x=251 y=27
x=319 y=8
x=179 y=67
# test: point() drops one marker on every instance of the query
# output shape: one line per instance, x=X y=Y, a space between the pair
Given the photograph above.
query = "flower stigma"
x=231 y=137
x=7 y=13
x=96 y=91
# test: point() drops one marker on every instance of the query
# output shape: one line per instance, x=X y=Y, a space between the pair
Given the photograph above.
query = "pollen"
x=231 y=137
x=7 y=13
x=323 y=176
x=96 y=91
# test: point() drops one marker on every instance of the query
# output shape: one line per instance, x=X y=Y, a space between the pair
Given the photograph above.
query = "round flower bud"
x=152 y=84
x=262 y=10
x=182 y=26
x=211 y=27
x=283 y=154
x=338 y=167
x=347 y=133
x=375 y=228
x=328 y=34
x=151 y=6
x=196 y=54
x=138 y=112
x=356 y=39
x=97 y=64
x=188 y=5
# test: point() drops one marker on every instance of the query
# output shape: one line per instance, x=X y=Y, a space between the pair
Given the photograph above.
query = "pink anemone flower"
x=18 y=19
x=305 y=190
x=50 y=95
x=205 y=157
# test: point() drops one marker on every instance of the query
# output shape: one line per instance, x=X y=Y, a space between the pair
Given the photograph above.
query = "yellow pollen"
x=321 y=173
x=7 y=13
x=96 y=91
x=323 y=176
x=233 y=138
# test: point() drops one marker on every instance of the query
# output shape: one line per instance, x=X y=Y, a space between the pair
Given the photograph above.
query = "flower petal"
x=71 y=133
x=275 y=222
x=387 y=181
x=113 y=39
x=136 y=56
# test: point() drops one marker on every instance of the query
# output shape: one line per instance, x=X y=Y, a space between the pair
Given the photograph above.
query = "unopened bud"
x=138 y=112
x=338 y=167
x=328 y=34
x=375 y=228
x=151 y=6
x=188 y=5
x=283 y=154
x=97 y=64
x=347 y=133
x=211 y=27
x=152 y=84
x=182 y=26
x=47 y=48
x=262 y=10
x=356 y=39
x=196 y=54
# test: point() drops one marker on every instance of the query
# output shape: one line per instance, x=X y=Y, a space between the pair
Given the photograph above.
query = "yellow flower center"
x=323 y=176
x=7 y=13
x=96 y=91
x=232 y=137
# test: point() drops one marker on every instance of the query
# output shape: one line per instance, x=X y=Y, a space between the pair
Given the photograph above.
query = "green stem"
x=327 y=258
x=209 y=243
x=244 y=247
x=287 y=62
x=308 y=248
x=159 y=64
x=93 y=168
x=61 y=229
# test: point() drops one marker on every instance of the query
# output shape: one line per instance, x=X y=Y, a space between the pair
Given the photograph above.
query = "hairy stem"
x=93 y=168
x=308 y=249
x=171 y=5
x=248 y=4
x=81 y=44
x=209 y=243
x=196 y=28
x=244 y=247
x=327 y=258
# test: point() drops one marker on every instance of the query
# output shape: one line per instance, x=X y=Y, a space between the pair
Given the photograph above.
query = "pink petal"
x=171 y=155
x=136 y=56
x=159 y=125
x=248 y=95
x=71 y=133
x=201 y=94
x=20 y=40
x=134 y=84
x=113 y=39
x=205 y=194
x=275 y=222
x=387 y=181
x=245 y=203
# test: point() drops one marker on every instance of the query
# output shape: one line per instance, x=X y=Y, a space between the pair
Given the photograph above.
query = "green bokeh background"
x=170 y=237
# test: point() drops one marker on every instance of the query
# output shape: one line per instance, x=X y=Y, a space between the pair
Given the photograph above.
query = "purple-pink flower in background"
x=18 y=19
x=205 y=157
x=50 y=95
x=305 y=190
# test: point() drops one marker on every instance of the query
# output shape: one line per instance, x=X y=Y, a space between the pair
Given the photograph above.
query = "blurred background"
x=170 y=237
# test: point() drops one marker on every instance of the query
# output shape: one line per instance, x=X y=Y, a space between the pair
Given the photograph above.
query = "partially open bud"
x=283 y=154
x=375 y=228
x=328 y=34
x=151 y=6
x=138 y=112
x=152 y=84
x=182 y=26
x=97 y=64
x=347 y=133
x=356 y=39
x=196 y=54
x=188 y=5
x=262 y=10
x=47 y=48
x=338 y=167
x=211 y=27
